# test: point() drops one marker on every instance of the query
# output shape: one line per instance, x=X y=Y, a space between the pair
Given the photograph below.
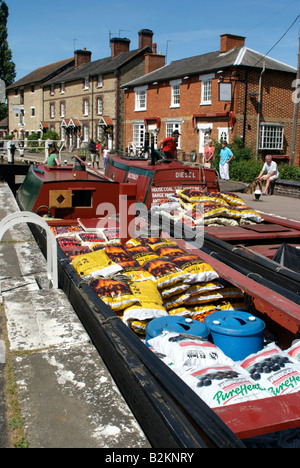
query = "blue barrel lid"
x=234 y=322
x=176 y=324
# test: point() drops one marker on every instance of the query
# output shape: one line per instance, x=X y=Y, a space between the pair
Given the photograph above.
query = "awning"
x=106 y=122
x=70 y=123
x=208 y=115
x=153 y=119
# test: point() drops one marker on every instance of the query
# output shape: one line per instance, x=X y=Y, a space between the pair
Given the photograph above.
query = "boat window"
x=81 y=198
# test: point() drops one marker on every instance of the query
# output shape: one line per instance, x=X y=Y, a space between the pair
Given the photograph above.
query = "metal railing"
x=28 y=217
x=32 y=146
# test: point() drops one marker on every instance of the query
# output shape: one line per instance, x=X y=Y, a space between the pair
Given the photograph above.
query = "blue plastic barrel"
x=238 y=334
x=176 y=324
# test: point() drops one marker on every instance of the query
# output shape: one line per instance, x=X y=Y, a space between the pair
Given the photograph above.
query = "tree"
x=7 y=66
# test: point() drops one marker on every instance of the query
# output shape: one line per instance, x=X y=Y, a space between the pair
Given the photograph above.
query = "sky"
x=41 y=32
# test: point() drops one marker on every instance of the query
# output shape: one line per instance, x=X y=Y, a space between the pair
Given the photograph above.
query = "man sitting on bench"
x=272 y=174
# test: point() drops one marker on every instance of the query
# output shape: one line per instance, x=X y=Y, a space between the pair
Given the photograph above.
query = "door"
x=204 y=136
x=153 y=131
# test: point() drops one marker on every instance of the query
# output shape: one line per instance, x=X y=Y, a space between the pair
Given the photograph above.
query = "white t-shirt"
x=272 y=167
x=105 y=153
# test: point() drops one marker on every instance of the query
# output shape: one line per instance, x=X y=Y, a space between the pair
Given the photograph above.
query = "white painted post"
x=28 y=217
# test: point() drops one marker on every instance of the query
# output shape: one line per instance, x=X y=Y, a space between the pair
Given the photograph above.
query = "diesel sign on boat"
x=185 y=175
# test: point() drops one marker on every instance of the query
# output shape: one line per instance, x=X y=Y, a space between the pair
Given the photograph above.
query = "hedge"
x=245 y=167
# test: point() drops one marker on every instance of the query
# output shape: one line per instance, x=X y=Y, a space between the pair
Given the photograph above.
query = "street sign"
x=2 y=92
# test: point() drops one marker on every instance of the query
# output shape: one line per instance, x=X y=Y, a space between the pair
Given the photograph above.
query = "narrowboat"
x=88 y=212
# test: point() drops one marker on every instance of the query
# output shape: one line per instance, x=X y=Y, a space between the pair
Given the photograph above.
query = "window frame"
x=62 y=108
x=138 y=92
x=171 y=126
x=100 y=81
x=139 y=134
x=175 y=86
x=206 y=81
x=86 y=107
x=52 y=110
x=276 y=136
x=99 y=104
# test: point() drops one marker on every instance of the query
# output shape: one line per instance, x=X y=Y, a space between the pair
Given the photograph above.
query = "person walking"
x=226 y=156
x=105 y=156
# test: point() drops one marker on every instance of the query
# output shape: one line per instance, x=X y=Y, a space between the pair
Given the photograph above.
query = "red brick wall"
x=277 y=107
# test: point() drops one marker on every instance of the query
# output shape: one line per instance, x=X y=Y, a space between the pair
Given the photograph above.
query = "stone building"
x=84 y=100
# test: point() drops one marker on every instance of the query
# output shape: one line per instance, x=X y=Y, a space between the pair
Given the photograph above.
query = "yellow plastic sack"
x=200 y=288
x=174 y=290
x=139 y=327
x=197 y=271
x=176 y=301
x=116 y=294
x=164 y=271
x=148 y=304
x=204 y=298
x=141 y=253
x=180 y=311
x=232 y=293
x=95 y=264
x=232 y=199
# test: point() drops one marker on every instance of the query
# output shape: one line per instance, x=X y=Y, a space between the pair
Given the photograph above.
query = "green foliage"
x=244 y=167
x=240 y=151
x=32 y=142
x=7 y=66
x=288 y=172
x=245 y=171
x=51 y=135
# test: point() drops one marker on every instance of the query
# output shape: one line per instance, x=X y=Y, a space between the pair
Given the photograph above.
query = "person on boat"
x=168 y=146
x=272 y=174
x=226 y=155
x=52 y=159
x=209 y=151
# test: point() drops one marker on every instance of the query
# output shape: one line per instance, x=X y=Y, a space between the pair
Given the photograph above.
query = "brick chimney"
x=119 y=45
x=154 y=61
x=230 y=41
x=81 y=57
x=145 y=38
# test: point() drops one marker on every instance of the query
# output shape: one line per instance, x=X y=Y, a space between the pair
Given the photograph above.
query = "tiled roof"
x=43 y=73
x=98 y=67
x=213 y=61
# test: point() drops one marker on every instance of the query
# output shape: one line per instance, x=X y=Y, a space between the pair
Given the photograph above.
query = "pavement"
x=277 y=205
x=67 y=396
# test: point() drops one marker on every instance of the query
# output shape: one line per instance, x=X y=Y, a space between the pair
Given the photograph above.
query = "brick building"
x=233 y=91
x=84 y=99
